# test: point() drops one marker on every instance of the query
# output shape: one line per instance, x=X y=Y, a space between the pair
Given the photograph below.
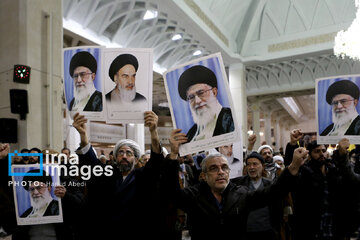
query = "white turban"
x=265 y=146
x=278 y=158
x=131 y=144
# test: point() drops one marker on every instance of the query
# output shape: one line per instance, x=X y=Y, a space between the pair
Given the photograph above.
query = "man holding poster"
x=198 y=86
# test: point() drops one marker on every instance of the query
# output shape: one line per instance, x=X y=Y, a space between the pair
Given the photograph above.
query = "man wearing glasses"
x=198 y=86
x=343 y=96
x=83 y=68
x=42 y=203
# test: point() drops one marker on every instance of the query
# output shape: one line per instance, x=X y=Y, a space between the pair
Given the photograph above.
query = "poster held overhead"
x=201 y=105
x=338 y=110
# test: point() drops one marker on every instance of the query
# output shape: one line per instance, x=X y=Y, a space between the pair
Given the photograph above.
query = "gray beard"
x=123 y=168
x=342 y=118
x=203 y=116
x=80 y=93
x=38 y=203
x=127 y=95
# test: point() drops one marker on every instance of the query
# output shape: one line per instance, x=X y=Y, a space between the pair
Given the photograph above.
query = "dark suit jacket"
x=51 y=210
x=138 y=97
x=93 y=105
x=224 y=124
x=354 y=128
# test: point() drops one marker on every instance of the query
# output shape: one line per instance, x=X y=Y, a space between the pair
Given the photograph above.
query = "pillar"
x=237 y=84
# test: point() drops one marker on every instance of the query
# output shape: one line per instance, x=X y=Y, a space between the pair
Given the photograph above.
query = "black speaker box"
x=9 y=132
x=19 y=102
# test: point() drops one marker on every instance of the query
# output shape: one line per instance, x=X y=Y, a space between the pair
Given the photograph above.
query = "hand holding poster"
x=337 y=109
x=201 y=105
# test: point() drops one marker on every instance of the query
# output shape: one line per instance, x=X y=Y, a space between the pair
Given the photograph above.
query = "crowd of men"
x=305 y=193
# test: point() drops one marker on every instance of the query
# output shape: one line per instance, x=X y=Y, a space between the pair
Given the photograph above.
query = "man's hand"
x=151 y=120
x=80 y=125
x=295 y=135
x=60 y=191
x=176 y=139
x=251 y=141
x=343 y=146
x=299 y=158
x=4 y=150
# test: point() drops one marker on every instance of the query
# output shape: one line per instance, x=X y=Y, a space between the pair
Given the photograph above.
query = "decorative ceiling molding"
x=296 y=75
x=304 y=42
x=197 y=10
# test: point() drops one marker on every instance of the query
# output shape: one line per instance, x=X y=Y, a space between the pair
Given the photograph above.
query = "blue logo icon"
x=40 y=155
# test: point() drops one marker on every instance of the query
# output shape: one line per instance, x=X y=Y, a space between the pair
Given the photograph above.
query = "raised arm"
x=295 y=136
x=151 y=121
x=251 y=142
x=80 y=125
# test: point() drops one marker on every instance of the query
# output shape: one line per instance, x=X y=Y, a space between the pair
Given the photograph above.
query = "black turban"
x=342 y=87
x=121 y=61
x=84 y=59
x=255 y=155
x=44 y=178
x=194 y=75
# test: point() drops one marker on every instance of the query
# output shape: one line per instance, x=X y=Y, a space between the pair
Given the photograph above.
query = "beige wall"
x=31 y=34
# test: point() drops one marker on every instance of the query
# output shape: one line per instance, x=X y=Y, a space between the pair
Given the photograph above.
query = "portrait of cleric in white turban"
x=198 y=86
x=343 y=97
x=86 y=97
x=122 y=72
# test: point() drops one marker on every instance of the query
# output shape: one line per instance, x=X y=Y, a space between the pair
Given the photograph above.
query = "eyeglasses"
x=38 y=188
x=127 y=153
x=216 y=169
x=200 y=94
x=81 y=74
x=343 y=102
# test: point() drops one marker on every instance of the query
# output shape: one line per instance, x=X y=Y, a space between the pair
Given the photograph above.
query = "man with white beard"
x=198 y=86
x=42 y=203
x=122 y=71
x=343 y=96
x=83 y=68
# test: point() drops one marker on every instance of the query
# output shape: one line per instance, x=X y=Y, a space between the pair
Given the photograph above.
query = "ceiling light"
x=150 y=14
x=197 y=52
x=292 y=104
x=176 y=37
x=261 y=133
x=250 y=132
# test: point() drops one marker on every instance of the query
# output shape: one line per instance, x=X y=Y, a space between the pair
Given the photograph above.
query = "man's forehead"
x=81 y=69
x=265 y=150
x=216 y=161
x=197 y=87
x=127 y=69
x=37 y=183
x=125 y=147
x=253 y=160
x=341 y=96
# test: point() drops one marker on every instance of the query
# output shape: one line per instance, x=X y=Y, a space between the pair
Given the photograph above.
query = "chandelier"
x=347 y=42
